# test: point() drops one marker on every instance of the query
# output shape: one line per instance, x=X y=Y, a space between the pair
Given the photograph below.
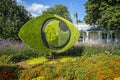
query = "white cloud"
x=20 y=2
x=35 y=9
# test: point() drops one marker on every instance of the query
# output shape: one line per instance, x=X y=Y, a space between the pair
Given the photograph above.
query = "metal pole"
x=76 y=16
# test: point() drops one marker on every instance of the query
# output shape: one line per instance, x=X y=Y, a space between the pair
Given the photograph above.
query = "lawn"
x=78 y=63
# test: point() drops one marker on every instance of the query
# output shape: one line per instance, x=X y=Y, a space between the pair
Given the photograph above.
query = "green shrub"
x=53 y=62
x=28 y=74
x=7 y=50
x=49 y=71
x=39 y=78
x=35 y=61
x=96 y=50
x=93 y=50
x=12 y=53
x=67 y=59
x=24 y=54
x=115 y=51
x=4 y=59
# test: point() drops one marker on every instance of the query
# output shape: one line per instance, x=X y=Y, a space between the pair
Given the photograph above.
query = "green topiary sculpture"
x=49 y=33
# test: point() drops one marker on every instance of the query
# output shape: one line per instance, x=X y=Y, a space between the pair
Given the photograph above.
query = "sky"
x=35 y=7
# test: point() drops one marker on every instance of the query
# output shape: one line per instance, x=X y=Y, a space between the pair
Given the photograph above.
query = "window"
x=104 y=35
x=113 y=36
x=81 y=37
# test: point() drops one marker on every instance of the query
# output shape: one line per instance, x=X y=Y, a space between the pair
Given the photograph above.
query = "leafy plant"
x=39 y=78
x=34 y=61
x=13 y=52
x=12 y=17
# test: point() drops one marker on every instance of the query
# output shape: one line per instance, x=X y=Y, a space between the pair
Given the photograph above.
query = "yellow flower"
x=117 y=78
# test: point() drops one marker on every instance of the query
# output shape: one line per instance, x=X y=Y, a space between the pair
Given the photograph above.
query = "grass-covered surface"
x=79 y=63
x=55 y=36
x=31 y=34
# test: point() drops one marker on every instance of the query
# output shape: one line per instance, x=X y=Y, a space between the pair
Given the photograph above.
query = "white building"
x=90 y=34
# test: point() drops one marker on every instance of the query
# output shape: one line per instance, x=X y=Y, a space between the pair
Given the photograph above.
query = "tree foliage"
x=12 y=17
x=79 y=21
x=104 y=13
x=60 y=10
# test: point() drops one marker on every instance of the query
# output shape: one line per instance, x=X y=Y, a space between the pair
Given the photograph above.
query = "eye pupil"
x=63 y=26
x=55 y=34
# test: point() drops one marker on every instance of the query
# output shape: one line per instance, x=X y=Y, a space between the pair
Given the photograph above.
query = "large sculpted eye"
x=49 y=33
x=55 y=34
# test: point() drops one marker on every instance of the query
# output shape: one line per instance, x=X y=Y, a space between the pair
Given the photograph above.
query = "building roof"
x=82 y=26
x=86 y=27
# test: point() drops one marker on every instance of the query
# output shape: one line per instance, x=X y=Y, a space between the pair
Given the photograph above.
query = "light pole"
x=76 y=16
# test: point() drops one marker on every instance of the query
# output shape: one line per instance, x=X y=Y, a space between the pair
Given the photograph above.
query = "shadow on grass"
x=8 y=72
x=75 y=51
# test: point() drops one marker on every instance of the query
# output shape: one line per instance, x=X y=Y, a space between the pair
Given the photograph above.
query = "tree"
x=79 y=21
x=92 y=12
x=12 y=17
x=60 y=10
x=104 y=13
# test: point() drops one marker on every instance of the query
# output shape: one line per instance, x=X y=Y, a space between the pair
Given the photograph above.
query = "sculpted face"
x=49 y=33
